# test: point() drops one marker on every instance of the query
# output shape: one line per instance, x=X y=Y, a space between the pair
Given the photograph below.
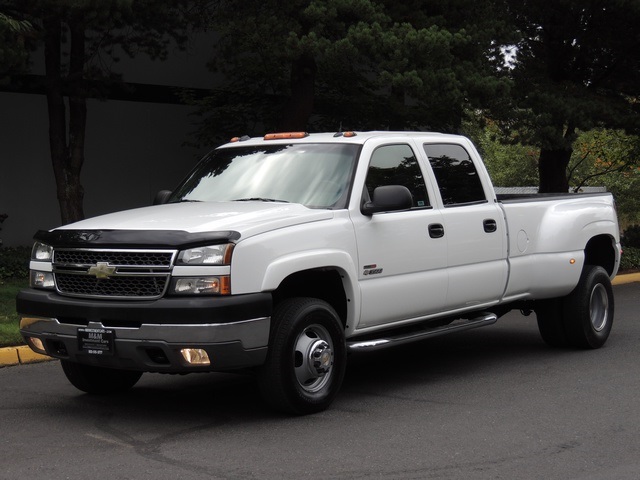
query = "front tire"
x=307 y=356
x=99 y=380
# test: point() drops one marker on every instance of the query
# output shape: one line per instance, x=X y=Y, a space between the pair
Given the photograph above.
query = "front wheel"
x=307 y=356
x=99 y=380
x=588 y=309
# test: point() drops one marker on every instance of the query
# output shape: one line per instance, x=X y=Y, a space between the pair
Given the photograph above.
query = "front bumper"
x=234 y=331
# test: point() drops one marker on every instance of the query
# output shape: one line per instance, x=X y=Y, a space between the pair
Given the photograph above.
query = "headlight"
x=206 y=285
x=210 y=255
x=41 y=252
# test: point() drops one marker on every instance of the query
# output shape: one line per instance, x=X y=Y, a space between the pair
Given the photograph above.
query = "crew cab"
x=281 y=255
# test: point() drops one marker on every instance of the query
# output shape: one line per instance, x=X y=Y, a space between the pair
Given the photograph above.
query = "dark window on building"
x=397 y=165
x=457 y=177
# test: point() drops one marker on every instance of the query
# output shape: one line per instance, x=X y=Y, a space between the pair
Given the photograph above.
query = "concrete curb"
x=626 y=278
x=22 y=355
x=11 y=356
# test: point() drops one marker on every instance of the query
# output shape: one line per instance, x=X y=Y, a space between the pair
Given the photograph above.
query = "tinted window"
x=455 y=173
x=397 y=165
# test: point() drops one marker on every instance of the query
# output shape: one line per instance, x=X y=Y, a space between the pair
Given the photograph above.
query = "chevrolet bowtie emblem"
x=102 y=270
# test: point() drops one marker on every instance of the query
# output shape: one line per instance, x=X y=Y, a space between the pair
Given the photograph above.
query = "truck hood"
x=247 y=218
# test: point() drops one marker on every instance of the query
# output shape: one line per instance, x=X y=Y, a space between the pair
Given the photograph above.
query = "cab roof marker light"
x=243 y=138
x=347 y=134
x=285 y=135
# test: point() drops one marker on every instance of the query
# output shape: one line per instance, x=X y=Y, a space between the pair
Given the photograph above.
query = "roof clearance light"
x=349 y=134
x=243 y=138
x=285 y=135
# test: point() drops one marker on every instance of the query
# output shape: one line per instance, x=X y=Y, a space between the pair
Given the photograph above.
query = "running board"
x=392 y=340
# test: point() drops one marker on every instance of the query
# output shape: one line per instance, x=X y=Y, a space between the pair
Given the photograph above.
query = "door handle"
x=490 y=225
x=436 y=230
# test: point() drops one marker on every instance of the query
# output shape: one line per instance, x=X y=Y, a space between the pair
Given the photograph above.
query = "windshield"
x=314 y=175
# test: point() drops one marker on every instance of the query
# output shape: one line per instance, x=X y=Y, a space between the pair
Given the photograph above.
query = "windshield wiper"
x=259 y=199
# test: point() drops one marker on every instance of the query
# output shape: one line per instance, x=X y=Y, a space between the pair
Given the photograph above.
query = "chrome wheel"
x=599 y=307
x=313 y=358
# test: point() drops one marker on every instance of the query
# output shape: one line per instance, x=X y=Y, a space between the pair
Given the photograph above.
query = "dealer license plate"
x=96 y=341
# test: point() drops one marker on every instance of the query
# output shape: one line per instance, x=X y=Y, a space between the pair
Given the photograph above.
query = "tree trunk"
x=552 y=167
x=300 y=106
x=67 y=154
x=553 y=162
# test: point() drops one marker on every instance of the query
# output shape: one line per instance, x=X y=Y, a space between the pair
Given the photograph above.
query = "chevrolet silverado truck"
x=281 y=255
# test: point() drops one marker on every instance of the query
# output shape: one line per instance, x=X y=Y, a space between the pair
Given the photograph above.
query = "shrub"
x=14 y=262
x=631 y=237
x=630 y=259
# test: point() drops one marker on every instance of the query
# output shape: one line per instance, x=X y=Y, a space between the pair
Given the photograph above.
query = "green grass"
x=9 y=321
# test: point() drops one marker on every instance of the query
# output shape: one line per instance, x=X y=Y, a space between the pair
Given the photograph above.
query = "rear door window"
x=457 y=177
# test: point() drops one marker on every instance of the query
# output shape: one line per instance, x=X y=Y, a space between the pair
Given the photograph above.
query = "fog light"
x=36 y=344
x=41 y=279
x=195 y=356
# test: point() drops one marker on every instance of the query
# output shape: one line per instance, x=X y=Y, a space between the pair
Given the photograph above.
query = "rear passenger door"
x=401 y=254
x=474 y=228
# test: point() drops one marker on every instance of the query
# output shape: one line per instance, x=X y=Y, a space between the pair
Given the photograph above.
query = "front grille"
x=115 y=274
x=90 y=286
x=123 y=257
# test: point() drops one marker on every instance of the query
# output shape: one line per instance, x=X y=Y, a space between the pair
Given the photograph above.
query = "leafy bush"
x=630 y=259
x=14 y=262
x=631 y=237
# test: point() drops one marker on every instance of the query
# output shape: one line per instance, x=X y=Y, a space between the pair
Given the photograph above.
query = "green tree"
x=577 y=68
x=81 y=39
x=509 y=162
x=14 y=35
x=359 y=64
x=609 y=158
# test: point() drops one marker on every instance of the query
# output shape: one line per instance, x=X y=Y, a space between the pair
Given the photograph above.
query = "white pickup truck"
x=280 y=255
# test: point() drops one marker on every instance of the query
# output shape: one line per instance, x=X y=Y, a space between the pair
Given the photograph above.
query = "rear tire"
x=550 y=323
x=99 y=380
x=307 y=357
x=588 y=310
x=582 y=319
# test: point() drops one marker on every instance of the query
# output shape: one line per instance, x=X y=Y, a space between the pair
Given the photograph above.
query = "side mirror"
x=161 y=197
x=388 y=198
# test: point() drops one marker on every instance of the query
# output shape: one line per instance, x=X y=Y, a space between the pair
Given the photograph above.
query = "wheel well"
x=600 y=251
x=325 y=284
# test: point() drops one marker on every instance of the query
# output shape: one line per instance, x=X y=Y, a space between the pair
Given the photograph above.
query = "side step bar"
x=392 y=340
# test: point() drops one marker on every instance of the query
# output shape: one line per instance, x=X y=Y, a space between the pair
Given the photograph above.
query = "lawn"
x=9 y=320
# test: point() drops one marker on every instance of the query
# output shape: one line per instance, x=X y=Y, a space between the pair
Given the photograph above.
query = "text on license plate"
x=96 y=341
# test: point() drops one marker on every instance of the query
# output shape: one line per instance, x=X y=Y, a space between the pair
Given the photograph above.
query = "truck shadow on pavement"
x=427 y=365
